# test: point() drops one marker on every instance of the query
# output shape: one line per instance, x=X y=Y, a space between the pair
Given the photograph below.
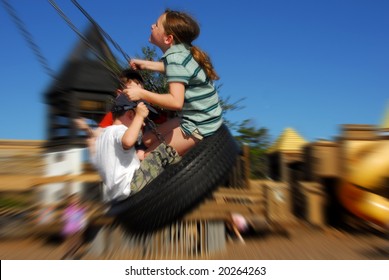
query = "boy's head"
x=129 y=76
x=122 y=105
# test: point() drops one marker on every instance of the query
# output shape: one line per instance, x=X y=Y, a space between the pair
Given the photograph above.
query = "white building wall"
x=67 y=162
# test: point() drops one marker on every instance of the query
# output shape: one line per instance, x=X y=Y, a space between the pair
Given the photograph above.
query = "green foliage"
x=252 y=136
x=153 y=81
x=227 y=106
x=258 y=140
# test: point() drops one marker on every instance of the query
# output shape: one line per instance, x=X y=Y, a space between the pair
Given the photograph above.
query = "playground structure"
x=313 y=182
x=84 y=89
x=364 y=189
x=198 y=234
x=333 y=181
x=315 y=192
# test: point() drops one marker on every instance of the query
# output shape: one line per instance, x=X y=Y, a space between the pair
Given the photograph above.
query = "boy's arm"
x=91 y=142
x=82 y=124
x=130 y=137
x=92 y=134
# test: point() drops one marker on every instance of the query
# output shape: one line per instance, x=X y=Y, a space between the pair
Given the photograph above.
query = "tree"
x=153 y=81
x=258 y=140
x=227 y=106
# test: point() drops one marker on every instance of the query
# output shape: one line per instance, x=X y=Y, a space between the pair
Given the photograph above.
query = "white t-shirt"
x=115 y=165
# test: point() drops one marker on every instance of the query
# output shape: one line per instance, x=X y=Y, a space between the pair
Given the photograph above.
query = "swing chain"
x=172 y=153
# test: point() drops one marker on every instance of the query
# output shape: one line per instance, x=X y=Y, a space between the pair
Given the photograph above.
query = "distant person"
x=75 y=221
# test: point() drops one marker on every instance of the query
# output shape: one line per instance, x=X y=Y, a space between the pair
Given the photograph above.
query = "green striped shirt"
x=202 y=109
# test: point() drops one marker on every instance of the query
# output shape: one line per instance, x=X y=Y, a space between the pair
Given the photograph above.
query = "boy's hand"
x=81 y=123
x=141 y=110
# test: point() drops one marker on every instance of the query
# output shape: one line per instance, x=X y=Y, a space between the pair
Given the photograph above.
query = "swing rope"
x=28 y=37
x=112 y=41
x=107 y=63
x=151 y=123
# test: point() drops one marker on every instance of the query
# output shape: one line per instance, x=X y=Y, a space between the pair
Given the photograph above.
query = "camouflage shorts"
x=153 y=165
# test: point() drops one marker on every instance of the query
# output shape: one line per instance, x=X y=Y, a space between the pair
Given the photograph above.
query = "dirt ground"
x=302 y=243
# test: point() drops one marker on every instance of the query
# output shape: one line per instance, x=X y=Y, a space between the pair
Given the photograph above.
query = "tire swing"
x=181 y=186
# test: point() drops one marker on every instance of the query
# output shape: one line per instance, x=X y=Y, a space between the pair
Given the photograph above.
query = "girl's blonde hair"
x=185 y=30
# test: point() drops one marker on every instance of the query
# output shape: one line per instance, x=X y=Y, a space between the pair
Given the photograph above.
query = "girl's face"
x=158 y=36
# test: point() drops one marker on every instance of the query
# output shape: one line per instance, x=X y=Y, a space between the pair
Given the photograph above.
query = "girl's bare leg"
x=173 y=136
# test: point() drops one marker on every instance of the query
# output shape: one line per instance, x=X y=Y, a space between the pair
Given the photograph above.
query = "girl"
x=75 y=222
x=190 y=75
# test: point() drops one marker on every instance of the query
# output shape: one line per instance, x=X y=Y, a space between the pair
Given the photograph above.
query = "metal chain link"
x=169 y=149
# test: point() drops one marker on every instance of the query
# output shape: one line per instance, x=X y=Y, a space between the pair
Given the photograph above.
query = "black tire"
x=181 y=186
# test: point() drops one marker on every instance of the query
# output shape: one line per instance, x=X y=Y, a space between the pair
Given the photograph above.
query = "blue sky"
x=310 y=65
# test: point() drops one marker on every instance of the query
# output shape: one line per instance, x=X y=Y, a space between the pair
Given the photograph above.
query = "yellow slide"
x=366 y=171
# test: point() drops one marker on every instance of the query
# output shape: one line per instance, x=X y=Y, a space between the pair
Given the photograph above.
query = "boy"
x=115 y=155
x=127 y=77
